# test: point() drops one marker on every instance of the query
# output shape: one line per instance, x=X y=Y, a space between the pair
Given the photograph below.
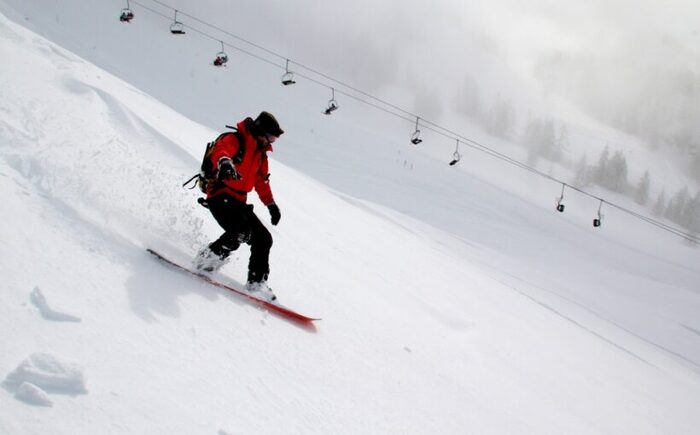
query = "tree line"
x=544 y=138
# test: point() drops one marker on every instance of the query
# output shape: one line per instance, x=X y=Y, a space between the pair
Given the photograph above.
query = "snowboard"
x=270 y=306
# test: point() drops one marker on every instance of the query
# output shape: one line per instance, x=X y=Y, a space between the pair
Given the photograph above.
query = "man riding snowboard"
x=238 y=171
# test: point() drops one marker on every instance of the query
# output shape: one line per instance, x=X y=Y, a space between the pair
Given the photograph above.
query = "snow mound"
x=47 y=372
x=48 y=313
x=30 y=393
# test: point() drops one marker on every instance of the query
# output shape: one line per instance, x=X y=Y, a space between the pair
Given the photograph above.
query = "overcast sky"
x=372 y=43
x=435 y=30
x=429 y=47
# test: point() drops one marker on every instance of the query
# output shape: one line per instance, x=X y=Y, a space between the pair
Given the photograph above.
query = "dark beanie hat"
x=266 y=123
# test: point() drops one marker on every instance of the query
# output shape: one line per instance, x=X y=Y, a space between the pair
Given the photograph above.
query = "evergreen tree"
x=531 y=139
x=617 y=172
x=641 y=194
x=677 y=205
x=548 y=141
x=600 y=171
x=582 y=178
x=562 y=143
x=694 y=163
x=660 y=204
x=501 y=119
x=692 y=214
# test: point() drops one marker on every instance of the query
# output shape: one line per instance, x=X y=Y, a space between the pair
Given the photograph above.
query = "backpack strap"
x=238 y=158
x=190 y=181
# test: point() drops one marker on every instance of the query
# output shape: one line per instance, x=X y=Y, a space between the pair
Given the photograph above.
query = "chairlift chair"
x=415 y=137
x=177 y=28
x=332 y=104
x=221 y=57
x=288 y=76
x=560 y=206
x=599 y=220
x=126 y=16
x=456 y=156
x=288 y=79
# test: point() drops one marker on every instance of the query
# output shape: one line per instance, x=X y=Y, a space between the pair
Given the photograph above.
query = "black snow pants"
x=241 y=225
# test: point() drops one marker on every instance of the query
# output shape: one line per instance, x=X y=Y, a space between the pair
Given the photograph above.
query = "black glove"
x=275 y=214
x=227 y=170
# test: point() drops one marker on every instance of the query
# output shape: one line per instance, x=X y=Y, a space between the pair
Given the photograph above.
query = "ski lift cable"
x=409 y=115
x=392 y=109
x=219 y=29
x=210 y=36
x=640 y=216
x=285 y=58
x=476 y=145
x=657 y=223
x=268 y=61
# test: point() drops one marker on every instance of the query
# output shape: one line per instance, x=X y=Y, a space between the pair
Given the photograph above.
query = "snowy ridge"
x=39 y=300
x=500 y=327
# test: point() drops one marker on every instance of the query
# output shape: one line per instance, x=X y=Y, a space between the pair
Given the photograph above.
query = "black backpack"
x=205 y=177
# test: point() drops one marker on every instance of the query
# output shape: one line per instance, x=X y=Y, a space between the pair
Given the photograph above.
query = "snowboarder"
x=238 y=172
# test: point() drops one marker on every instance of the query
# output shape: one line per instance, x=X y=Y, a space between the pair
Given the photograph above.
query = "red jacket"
x=253 y=169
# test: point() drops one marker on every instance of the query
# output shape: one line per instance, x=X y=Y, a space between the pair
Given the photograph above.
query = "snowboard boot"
x=260 y=290
x=209 y=261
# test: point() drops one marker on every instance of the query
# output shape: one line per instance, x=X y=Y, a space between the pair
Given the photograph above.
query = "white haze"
x=422 y=50
x=454 y=299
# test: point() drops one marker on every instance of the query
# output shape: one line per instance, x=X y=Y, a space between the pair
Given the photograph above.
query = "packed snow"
x=453 y=299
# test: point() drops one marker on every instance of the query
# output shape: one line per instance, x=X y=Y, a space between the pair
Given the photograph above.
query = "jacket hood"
x=247 y=127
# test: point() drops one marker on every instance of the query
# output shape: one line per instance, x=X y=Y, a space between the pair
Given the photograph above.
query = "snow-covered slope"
x=515 y=320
